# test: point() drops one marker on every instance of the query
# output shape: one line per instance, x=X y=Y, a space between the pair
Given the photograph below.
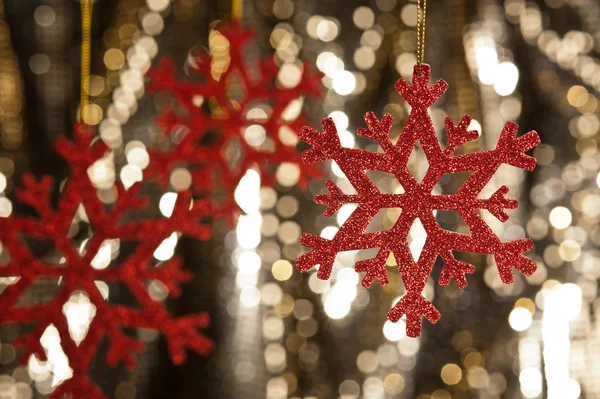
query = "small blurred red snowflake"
x=233 y=119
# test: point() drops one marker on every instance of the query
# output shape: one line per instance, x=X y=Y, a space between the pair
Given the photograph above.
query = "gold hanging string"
x=86 y=47
x=237 y=9
x=421 y=25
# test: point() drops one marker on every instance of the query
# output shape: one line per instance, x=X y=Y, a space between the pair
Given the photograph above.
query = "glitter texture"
x=417 y=201
x=218 y=110
x=78 y=273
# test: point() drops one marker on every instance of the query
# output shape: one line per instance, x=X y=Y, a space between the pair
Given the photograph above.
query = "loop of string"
x=421 y=24
x=86 y=44
x=237 y=9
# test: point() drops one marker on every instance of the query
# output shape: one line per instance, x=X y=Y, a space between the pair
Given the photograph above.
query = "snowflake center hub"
x=418 y=201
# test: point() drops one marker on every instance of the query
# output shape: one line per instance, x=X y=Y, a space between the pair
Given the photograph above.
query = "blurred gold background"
x=281 y=334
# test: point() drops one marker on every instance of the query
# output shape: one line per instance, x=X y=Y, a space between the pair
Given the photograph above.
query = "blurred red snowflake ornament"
x=83 y=272
x=417 y=201
x=240 y=115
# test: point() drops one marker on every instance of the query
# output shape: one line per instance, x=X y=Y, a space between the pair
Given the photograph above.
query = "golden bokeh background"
x=282 y=334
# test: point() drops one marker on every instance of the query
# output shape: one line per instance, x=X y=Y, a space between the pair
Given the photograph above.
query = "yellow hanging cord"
x=237 y=9
x=421 y=25
x=86 y=47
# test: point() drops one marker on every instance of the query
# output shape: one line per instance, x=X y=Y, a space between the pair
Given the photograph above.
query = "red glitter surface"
x=76 y=274
x=417 y=201
x=214 y=112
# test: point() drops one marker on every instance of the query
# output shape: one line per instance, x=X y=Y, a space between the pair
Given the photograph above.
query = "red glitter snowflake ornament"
x=417 y=201
x=84 y=271
x=237 y=117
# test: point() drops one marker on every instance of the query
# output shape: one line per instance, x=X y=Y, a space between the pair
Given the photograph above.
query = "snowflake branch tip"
x=459 y=134
x=375 y=269
x=183 y=333
x=414 y=306
x=320 y=254
x=325 y=145
x=513 y=148
x=81 y=153
x=455 y=269
x=188 y=216
x=510 y=256
x=419 y=94
x=334 y=200
x=171 y=275
x=377 y=130
x=498 y=203
x=123 y=350
x=36 y=193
